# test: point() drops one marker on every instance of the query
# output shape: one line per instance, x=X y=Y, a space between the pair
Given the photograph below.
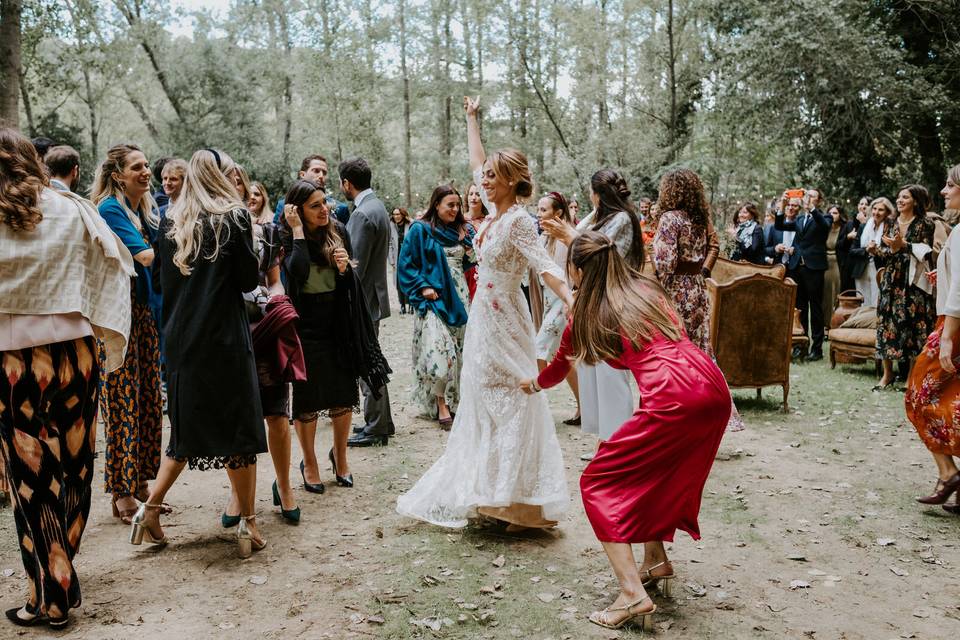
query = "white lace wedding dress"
x=503 y=458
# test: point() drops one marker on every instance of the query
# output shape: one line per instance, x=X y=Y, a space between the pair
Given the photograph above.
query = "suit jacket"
x=810 y=242
x=369 y=229
x=772 y=237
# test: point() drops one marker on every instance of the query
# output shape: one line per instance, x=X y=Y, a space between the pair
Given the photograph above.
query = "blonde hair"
x=244 y=180
x=615 y=302
x=265 y=214
x=886 y=204
x=105 y=184
x=954 y=174
x=511 y=165
x=175 y=165
x=207 y=198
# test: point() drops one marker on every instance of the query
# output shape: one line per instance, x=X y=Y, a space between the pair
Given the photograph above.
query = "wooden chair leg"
x=786 y=393
x=758 y=392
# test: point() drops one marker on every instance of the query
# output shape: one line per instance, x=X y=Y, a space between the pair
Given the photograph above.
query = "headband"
x=216 y=156
x=556 y=195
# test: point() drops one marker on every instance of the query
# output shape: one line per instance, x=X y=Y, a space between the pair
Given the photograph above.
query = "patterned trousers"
x=133 y=410
x=48 y=404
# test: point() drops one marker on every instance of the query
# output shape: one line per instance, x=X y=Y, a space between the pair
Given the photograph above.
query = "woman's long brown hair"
x=322 y=242
x=614 y=302
x=22 y=179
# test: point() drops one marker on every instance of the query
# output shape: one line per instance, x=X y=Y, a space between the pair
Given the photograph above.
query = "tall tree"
x=10 y=61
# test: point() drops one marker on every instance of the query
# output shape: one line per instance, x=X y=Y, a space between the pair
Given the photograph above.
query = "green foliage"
x=856 y=96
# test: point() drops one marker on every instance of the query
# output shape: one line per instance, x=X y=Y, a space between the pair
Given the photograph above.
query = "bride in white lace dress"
x=502 y=459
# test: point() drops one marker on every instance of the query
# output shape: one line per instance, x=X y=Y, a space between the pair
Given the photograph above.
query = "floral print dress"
x=679 y=241
x=438 y=348
x=905 y=314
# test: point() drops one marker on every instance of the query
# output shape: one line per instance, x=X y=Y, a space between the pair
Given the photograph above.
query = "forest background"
x=853 y=96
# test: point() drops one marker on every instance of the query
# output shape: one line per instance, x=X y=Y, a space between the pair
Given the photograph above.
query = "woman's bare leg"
x=170 y=470
x=278 y=439
x=244 y=484
x=341 y=419
x=624 y=567
x=307 y=435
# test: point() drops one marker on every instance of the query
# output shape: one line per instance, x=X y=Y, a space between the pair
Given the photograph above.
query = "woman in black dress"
x=207 y=262
x=320 y=283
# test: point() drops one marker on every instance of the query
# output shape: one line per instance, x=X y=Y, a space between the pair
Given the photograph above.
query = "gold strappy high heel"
x=646 y=616
x=139 y=530
x=246 y=543
x=649 y=580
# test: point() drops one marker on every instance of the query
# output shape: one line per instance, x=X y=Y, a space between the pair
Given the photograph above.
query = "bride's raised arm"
x=474 y=144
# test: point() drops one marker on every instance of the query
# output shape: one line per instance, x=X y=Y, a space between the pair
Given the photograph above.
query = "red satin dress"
x=647 y=480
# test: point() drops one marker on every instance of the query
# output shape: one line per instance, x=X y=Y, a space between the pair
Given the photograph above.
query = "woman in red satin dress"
x=647 y=480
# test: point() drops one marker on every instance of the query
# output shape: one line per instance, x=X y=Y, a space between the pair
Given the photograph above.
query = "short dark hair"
x=61 y=160
x=158 y=165
x=309 y=160
x=42 y=145
x=357 y=171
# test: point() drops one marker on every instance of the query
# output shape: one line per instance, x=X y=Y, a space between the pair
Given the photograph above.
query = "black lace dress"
x=213 y=399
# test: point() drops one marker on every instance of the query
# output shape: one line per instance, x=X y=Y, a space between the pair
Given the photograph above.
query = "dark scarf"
x=423 y=264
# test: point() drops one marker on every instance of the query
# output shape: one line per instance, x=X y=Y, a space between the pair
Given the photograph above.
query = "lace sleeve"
x=523 y=235
x=620 y=231
x=477 y=179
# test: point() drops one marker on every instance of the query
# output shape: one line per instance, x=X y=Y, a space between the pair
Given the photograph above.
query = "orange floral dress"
x=933 y=398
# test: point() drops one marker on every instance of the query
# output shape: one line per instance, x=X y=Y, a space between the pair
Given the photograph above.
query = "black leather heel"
x=343 y=481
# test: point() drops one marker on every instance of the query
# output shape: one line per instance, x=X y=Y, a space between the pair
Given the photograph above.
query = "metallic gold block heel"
x=666 y=587
x=647 y=622
x=244 y=547
x=139 y=530
x=246 y=544
x=650 y=581
x=646 y=617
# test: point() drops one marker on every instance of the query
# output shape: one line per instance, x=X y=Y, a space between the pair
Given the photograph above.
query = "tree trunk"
x=469 y=68
x=445 y=125
x=92 y=113
x=27 y=106
x=672 y=79
x=10 y=44
x=407 y=178
x=287 y=84
x=133 y=20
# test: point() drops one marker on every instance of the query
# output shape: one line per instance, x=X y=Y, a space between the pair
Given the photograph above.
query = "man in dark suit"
x=369 y=229
x=804 y=250
x=314 y=167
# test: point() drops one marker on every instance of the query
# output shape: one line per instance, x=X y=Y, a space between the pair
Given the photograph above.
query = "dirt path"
x=809 y=531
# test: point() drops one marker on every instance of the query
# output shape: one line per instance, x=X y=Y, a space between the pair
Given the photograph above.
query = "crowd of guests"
x=868 y=255
x=257 y=308
x=235 y=318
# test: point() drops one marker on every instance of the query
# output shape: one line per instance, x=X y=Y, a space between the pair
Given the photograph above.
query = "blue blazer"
x=812 y=230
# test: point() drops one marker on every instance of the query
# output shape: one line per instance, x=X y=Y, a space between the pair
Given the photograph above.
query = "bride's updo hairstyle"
x=614 y=302
x=511 y=165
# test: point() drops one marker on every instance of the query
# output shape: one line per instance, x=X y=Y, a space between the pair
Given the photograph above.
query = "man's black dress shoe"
x=359 y=429
x=797 y=353
x=813 y=357
x=368 y=440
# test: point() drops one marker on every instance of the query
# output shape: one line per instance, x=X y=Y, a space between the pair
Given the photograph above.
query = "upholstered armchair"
x=751 y=330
